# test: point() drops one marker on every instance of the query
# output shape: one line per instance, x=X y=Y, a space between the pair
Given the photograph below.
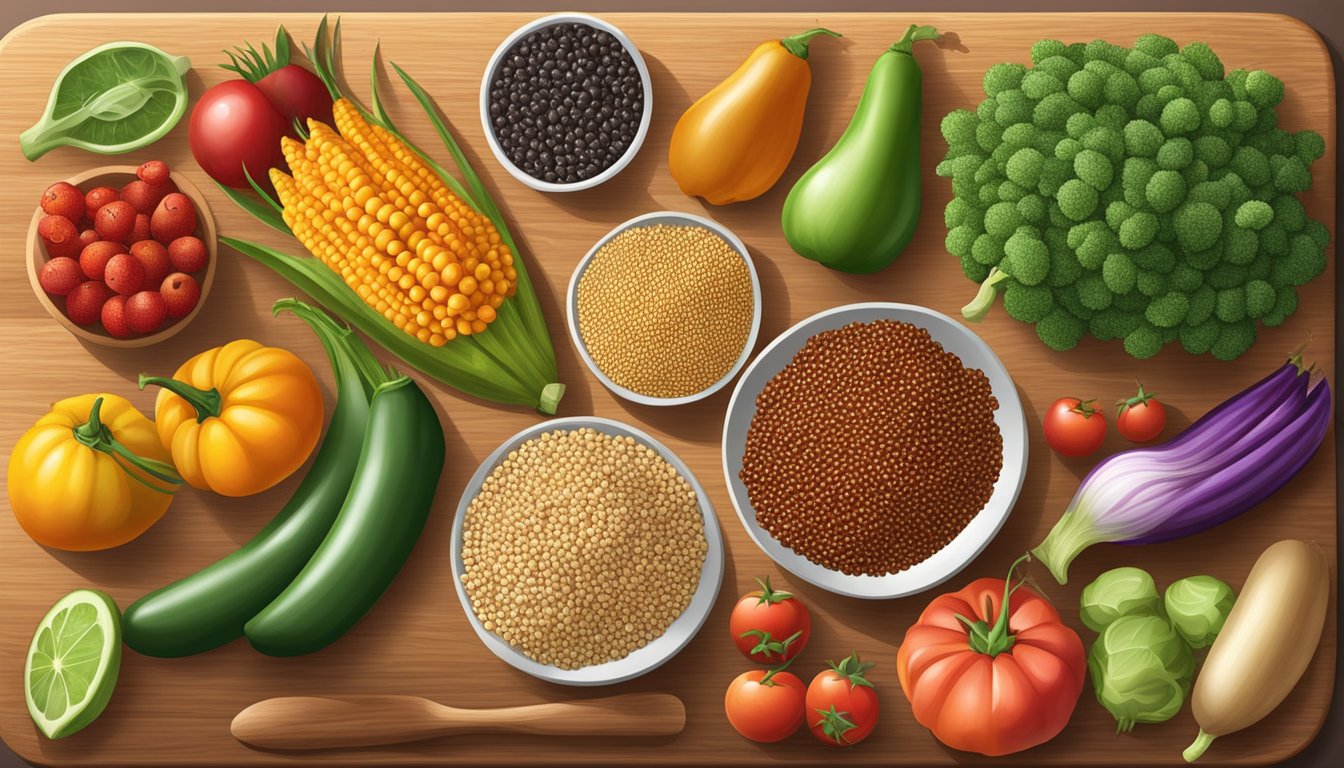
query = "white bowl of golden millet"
x=585 y=553
x=665 y=308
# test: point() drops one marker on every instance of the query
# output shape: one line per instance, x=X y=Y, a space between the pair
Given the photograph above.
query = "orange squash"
x=735 y=142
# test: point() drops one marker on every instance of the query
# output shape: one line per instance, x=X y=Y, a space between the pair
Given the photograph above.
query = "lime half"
x=73 y=662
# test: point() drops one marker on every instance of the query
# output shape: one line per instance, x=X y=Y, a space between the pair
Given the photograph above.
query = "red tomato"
x=297 y=94
x=769 y=626
x=987 y=679
x=765 y=706
x=233 y=127
x=841 y=703
x=1141 y=418
x=1074 y=427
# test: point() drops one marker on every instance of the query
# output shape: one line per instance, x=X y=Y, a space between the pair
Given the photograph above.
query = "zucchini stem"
x=914 y=34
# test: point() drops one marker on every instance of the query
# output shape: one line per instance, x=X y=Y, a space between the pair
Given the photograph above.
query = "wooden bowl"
x=116 y=176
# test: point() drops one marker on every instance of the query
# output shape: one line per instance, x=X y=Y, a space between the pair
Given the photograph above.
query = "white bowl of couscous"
x=581 y=577
x=665 y=308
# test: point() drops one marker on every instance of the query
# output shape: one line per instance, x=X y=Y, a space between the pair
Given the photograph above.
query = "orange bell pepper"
x=735 y=142
x=238 y=418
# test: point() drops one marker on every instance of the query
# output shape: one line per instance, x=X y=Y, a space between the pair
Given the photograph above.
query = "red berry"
x=188 y=254
x=154 y=258
x=88 y=237
x=124 y=274
x=60 y=276
x=175 y=217
x=84 y=305
x=154 y=173
x=96 y=198
x=145 y=311
x=93 y=259
x=59 y=236
x=180 y=292
x=141 y=229
x=114 y=318
x=115 y=221
x=142 y=196
x=64 y=199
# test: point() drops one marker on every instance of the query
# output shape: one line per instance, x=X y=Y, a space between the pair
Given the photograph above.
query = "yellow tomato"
x=91 y=474
x=239 y=418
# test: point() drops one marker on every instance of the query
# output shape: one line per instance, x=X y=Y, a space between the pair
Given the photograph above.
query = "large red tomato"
x=987 y=680
x=233 y=127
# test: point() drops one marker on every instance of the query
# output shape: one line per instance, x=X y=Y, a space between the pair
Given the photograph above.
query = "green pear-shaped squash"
x=857 y=208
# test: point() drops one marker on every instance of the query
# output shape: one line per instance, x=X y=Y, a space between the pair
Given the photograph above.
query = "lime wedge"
x=73 y=662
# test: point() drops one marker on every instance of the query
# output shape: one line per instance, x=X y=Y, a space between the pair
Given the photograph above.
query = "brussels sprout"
x=1141 y=670
x=1119 y=592
x=1197 y=607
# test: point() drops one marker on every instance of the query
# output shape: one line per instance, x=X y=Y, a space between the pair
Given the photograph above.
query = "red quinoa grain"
x=872 y=449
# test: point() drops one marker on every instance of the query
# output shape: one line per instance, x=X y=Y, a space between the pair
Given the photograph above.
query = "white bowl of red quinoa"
x=643 y=659
x=631 y=139
x=612 y=354
x=883 y=484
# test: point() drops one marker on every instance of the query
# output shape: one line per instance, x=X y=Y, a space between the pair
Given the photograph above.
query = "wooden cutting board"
x=417 y=640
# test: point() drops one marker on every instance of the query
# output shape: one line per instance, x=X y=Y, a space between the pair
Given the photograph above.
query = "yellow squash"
x=91 y=474
x=238 y=418
x=735 y=142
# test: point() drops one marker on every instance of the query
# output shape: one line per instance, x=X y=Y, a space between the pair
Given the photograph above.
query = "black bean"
x=567 y=102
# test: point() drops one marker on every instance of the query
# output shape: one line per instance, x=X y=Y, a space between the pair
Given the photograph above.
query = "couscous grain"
x=582 y=547
x=665 y=310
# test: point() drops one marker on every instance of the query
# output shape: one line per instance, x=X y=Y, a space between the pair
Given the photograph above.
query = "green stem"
x=797 y=44
x=994 y=640
x=913 y=35
x=1202 y=742
x=94 y=434
x=984 y=298
x=207 y=402
x=1073 y=533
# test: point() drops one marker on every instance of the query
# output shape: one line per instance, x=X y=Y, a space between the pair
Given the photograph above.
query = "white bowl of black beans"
x=566 y=101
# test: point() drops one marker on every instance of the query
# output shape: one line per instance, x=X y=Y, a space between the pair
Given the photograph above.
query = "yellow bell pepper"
x=91 y=474
x=736 y=141
x=238 y=418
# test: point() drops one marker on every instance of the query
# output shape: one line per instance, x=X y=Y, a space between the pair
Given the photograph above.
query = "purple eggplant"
x=1230 y=460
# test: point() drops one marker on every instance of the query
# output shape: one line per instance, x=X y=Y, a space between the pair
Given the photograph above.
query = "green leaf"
x=260 y=211
x=115 y=98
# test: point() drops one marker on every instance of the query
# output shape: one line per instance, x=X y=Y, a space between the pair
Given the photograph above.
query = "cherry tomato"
x=841 y=703
x=1141 y=418
x=765 y=705
x=769 y=626
x=1074 y=427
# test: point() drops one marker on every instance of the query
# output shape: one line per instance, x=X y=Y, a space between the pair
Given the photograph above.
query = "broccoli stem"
x=984 y=298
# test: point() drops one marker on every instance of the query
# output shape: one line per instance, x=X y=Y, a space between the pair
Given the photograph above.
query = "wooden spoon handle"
x=324 y=722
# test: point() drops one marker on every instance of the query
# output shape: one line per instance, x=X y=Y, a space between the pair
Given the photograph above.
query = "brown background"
x=1328 y=22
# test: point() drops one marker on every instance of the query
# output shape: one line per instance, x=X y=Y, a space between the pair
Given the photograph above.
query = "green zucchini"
x=209 y=608
x=377 y=528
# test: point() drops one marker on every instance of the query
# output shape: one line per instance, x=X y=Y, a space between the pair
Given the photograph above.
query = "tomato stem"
x=835 y=724
x=1087 y=408
x=768 y=645
x=1141 y=398
x=96 y=435
x=996 y=639
x=769 y=675
x=207 y=402
x=770 y=596
x=852 y=670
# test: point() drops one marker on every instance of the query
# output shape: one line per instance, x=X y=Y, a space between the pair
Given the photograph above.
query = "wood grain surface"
x=417 y=640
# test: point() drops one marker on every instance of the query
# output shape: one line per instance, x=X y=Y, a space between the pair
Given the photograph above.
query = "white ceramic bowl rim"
x=645 y=118
x=942 y=565
x=642 y=660
x=651 y=219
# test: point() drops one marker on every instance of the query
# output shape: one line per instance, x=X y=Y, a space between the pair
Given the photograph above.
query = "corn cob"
x=364 y=204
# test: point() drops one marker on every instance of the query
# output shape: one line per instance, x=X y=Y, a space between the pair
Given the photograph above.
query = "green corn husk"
x=512 y=361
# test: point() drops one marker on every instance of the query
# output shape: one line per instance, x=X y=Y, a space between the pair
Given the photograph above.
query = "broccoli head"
x=1198 y=226
x=1254 y=214
x=1060 y=330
